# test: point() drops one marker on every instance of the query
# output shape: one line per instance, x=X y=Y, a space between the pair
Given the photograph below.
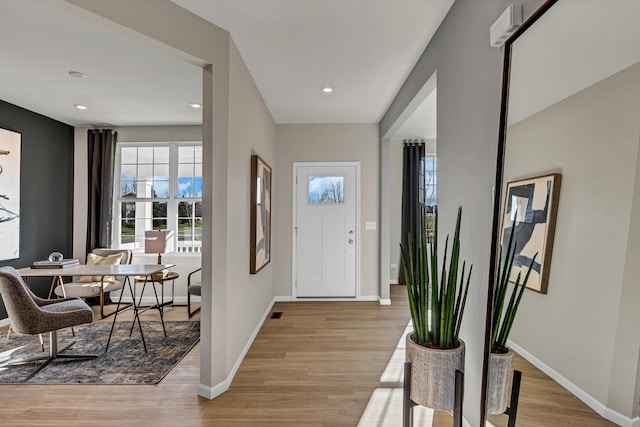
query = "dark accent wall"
x=46 y=188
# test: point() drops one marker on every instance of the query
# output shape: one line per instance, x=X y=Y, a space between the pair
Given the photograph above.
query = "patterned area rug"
x=124 y=363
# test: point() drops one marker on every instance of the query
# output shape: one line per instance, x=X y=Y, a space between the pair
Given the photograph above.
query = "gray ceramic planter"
x=498 y=382
x=433 y=374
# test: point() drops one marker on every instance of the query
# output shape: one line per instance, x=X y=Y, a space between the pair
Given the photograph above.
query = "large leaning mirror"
x=571 y=110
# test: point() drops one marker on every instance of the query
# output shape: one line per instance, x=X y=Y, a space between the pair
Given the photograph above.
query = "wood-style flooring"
x=544 y=402
x=321 y=364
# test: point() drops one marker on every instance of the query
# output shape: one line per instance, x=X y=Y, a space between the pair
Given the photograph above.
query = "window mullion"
x=116 y=222
x=172 y=205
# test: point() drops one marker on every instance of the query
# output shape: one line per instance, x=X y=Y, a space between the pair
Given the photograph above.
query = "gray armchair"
x=89 y=286
x=31 y=315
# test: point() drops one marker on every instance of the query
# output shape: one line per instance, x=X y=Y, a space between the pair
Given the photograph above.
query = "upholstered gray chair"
x=31 y=315
x=90 y=286
x=193 y=288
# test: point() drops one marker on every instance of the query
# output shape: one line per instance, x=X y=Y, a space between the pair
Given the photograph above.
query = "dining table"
x=126 y=271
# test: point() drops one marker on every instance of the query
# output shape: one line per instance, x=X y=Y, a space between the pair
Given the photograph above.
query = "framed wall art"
x=10 y=145
x=530 y=209
x=260 y=246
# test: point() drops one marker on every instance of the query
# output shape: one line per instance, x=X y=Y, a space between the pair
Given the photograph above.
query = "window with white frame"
x=429 y=181
x=429 y=191
x=158 y=186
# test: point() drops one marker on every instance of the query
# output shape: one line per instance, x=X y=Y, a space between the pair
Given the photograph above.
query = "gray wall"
x=326 y=143
x=469 y=82
x=592 y=139
x=46 y=188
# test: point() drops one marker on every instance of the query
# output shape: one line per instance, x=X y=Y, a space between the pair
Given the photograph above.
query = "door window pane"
x=326 y=190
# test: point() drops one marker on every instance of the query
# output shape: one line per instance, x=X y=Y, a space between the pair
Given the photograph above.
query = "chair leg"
x=194 y=312
x=102 y=302
x=54 y=353
x=6 y=340
x=188 y=304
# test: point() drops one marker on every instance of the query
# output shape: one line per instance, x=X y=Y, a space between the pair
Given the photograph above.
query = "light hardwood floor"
x=321 y=364
x=544 y=402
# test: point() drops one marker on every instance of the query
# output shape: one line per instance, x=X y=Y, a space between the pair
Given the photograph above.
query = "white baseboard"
x=393 y=281
x=592 y=402
x=215 y=391
x=152 y=300
x=288 y=298
x=5 y=322
x=312 y=299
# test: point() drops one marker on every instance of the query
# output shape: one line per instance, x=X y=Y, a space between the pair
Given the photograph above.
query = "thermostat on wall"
x=505 y=25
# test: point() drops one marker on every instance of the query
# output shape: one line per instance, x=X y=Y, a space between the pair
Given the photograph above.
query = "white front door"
x=325 y=231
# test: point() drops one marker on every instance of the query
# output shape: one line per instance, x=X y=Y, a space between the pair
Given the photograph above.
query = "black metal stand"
x=512 y=410
x=457 y=408
x=408 y=404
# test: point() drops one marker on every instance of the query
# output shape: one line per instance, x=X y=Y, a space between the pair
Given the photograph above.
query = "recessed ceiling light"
x=80 y=106
x=327 y=89
x=196 y=105
x=77 y=74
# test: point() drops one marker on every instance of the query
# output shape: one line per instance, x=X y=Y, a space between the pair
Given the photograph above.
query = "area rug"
x=124 y=363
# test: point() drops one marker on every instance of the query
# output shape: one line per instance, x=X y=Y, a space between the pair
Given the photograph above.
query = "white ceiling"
x=126 y=83
x=364 y=48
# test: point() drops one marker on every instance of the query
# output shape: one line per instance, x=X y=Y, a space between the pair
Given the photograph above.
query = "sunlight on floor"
x=385 y=409
x=6 y=356
x=385 y=405
x=393 y=373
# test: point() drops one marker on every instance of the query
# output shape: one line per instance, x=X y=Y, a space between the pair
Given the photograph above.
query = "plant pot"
x=498 y=382
x=433 y=374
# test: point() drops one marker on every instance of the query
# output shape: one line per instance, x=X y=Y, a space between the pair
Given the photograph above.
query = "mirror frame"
x=497 y=199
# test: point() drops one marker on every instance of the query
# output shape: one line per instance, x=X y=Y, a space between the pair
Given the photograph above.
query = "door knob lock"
x=350 y=241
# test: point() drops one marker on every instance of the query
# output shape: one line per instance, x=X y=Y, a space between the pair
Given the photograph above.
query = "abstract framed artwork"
x=260 y=245
x=10 y=146
x=530 y=210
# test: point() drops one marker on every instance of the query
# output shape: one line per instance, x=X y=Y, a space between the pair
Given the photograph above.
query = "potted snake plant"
x=437 y=300
x=503 y=315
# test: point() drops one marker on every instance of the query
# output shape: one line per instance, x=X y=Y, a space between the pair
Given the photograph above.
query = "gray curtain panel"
x=412 y=197
x=102 y=151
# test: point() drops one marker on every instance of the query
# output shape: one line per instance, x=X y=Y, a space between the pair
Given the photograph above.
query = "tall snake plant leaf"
x=512 y=308
x=436 y=301
x=503 y=317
